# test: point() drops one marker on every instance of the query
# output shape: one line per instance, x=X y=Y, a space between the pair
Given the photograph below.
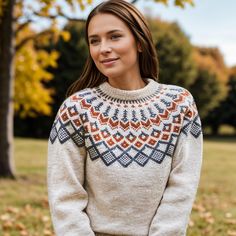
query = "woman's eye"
x=93 y=41
x=115 y=36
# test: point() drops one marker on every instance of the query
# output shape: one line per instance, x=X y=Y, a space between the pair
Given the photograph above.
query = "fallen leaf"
x=231 y=233
x=24 y=233
x=7 y=225
x=11 y=209
x=47 y=233
x=228 y=214
x=191 y=223
x=230 y=221
x=20 y=226
x=5 y=217
x=45 y=219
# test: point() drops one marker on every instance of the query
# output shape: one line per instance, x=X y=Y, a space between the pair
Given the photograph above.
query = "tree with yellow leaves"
x=18 y=58
x=31 y=96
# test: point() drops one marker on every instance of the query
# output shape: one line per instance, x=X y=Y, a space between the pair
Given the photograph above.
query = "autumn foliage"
x=32 y=97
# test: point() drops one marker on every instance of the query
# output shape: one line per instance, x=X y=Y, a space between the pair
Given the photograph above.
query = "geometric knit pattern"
x=139 y=130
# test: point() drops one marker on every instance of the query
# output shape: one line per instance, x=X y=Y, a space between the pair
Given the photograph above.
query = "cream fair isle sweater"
x=124 y=162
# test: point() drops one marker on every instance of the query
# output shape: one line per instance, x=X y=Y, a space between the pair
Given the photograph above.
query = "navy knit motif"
x=116 y=131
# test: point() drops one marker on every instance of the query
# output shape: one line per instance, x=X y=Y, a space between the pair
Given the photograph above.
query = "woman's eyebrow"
x=109 y=32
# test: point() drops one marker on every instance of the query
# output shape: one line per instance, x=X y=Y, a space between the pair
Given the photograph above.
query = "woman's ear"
x=139 y=47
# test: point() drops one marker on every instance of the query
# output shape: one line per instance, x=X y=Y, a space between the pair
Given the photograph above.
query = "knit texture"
x=124 y=162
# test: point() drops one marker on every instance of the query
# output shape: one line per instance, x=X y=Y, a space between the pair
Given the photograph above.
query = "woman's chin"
x=112 y=75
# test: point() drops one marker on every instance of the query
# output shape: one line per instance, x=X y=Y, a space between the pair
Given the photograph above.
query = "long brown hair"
x=91 y=76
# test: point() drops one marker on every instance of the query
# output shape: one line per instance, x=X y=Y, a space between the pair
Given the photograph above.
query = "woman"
x=125 y=151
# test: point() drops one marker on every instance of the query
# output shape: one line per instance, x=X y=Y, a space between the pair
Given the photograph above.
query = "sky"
x=210 y=23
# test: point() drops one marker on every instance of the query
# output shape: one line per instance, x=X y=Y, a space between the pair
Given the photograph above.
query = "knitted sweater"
x=124 y=162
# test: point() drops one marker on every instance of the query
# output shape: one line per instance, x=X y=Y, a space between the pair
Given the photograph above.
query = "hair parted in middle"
x=125 y=11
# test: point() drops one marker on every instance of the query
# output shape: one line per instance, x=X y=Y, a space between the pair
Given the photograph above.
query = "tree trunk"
x=6 y=90
x=215 y=129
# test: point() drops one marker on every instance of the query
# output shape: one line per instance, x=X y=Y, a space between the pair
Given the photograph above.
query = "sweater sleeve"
x=66 y=162
x=172 y=215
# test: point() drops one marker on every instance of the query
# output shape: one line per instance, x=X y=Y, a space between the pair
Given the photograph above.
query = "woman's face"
x=113 y=47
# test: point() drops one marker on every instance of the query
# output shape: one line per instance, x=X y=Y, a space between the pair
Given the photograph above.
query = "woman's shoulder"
x=75 y=102
x=78 y=96
x=176 y=92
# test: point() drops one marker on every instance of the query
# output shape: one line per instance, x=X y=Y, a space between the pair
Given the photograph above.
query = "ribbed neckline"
x=137 y=94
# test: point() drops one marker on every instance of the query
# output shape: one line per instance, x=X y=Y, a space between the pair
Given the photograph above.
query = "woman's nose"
x=105 y=47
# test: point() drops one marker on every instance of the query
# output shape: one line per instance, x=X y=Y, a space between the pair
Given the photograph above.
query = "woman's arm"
x=172 y=215
x=66 y=162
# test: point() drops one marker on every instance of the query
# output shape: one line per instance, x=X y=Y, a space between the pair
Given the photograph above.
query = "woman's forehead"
x=105 y=23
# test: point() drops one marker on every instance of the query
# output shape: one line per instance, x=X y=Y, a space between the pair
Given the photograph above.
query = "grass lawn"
x=24 y=207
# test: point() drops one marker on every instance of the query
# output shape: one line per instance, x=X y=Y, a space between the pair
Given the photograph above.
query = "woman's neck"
x=128 y=84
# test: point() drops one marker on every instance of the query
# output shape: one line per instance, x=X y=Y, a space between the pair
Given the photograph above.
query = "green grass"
x=214 y=211
x=24 y=207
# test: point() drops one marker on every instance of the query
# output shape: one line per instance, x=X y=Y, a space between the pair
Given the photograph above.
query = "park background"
x=196 y=49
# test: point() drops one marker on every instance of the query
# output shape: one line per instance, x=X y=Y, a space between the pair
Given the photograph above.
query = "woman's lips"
x=109 y=61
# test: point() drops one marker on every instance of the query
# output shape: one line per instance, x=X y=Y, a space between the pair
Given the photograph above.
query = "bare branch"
x=32 y=37
x=134 y=1
x=59 y=14
x=22 y=26
x=30 y=20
